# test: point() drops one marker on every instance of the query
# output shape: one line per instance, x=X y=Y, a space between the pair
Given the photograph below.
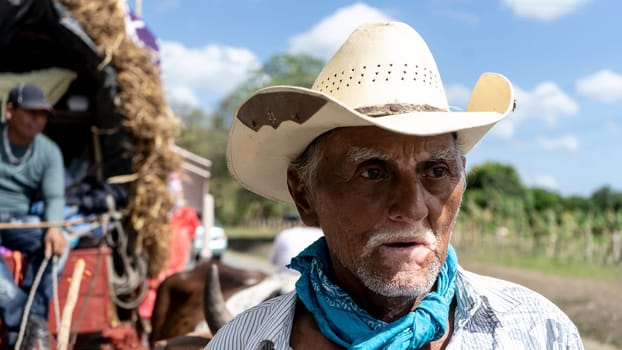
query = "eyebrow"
x=446 y=154
x=361 y=154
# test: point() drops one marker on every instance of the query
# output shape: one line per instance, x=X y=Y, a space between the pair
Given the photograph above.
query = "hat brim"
x=258 y=158
x=37 y=107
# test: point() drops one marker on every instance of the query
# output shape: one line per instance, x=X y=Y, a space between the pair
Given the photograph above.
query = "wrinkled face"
x=25 y=124
x=387 y=204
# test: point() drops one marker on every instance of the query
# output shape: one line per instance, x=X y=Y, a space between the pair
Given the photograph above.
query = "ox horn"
x=214 y=308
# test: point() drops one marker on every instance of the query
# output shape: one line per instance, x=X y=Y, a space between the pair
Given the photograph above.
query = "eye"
x=436 y=170
x=373 y=174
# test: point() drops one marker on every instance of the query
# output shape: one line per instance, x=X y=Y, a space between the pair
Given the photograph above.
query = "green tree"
x=280 y=69
x=206 y=135
x=495 y=176
x=607 y=199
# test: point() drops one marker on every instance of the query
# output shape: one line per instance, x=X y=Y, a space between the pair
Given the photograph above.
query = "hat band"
x=396 y=108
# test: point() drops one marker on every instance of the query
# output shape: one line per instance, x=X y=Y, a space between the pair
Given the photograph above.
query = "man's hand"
x=55 y=242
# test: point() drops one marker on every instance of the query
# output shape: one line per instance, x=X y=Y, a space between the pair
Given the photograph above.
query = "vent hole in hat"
x=339 y=80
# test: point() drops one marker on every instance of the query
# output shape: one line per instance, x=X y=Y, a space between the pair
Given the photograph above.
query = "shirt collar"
x=268 y=336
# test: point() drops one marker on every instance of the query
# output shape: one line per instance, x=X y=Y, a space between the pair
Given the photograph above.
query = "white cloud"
x=458 y=96
x=504 y=129
x=213 y=69
x=327 y=36
x=182 y=94
x=567 y=142
x=543 y=10
x=604 y=86
x=546 y=102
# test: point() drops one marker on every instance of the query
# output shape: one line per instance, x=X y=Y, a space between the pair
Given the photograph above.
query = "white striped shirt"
x=490 y=314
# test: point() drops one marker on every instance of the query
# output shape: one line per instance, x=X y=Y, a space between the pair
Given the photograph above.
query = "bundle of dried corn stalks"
x=147 y=117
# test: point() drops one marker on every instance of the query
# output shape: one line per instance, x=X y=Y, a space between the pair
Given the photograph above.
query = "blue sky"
x=564 y=58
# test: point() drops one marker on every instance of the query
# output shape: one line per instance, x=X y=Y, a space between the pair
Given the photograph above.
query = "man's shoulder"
x=514 y=315
x=511 y=302
x=506 y=295
x=270 y=320
x=46 y=144
x=43 y=139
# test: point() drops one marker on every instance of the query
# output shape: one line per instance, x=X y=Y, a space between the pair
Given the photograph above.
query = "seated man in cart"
x=31 y=168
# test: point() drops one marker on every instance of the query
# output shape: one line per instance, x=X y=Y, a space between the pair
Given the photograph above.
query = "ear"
x=304 y=203
x=8 y=110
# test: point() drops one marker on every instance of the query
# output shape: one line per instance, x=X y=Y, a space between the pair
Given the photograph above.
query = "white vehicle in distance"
x=218 y=242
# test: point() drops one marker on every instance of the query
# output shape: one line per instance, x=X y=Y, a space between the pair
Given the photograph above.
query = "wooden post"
x=70 y=303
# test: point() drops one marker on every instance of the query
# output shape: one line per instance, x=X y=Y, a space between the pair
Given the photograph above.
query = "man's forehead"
x=362 y=141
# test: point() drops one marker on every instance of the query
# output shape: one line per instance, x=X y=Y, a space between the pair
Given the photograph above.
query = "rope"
x=31 y=296
x=134 y=278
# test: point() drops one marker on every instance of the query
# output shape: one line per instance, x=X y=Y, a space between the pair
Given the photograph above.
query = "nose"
x=408 y=202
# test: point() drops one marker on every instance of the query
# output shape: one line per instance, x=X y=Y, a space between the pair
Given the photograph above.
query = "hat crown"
x=383 y=63
x=28 y=96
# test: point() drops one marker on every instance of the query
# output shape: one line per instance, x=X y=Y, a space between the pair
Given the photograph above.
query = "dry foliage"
x=147 y=117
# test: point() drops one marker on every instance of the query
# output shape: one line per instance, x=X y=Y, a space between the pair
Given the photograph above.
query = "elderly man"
x=372 y=155
x=31 y=168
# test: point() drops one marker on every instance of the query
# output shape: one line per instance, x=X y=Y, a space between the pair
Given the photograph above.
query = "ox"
x=213 y=292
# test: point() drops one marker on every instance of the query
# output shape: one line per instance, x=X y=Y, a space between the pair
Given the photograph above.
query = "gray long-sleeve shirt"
x=42 y=171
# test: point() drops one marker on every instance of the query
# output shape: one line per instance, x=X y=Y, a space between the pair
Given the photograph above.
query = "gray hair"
x=308 y=162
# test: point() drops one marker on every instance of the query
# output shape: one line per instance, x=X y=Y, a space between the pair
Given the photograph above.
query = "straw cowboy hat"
x=384 y=75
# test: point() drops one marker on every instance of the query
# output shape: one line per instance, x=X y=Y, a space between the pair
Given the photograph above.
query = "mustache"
x=420 y=236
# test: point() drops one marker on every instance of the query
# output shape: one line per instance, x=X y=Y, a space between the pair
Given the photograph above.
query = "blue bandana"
x=346 y=324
